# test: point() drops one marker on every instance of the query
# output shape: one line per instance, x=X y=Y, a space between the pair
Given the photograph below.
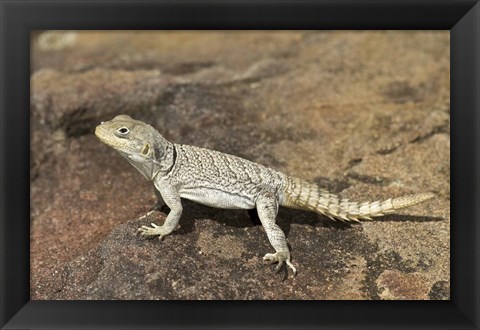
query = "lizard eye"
x=123 y=130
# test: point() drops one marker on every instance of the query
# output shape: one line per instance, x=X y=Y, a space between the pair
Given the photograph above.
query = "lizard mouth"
x=104 y=136
x=99 y=134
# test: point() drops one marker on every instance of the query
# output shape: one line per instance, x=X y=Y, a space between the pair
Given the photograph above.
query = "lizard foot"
x=155 y=230
x=280 y=257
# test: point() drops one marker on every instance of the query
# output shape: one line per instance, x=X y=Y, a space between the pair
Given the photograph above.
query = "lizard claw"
x=292 y=267
x=278 y=267
x=280 y=257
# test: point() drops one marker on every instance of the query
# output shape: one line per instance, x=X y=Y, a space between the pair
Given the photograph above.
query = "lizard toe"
x=292 y=267
x=149 y=231
x=278 y=267
x=281 y=258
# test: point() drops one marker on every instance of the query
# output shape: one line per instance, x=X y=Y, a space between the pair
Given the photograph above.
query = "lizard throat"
x=150 y=168
x=145 y=166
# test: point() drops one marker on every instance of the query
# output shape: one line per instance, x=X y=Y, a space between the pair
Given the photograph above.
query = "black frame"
x=19 y=17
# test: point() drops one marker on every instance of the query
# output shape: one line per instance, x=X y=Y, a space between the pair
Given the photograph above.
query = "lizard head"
x=127 y=135
x=138 y=142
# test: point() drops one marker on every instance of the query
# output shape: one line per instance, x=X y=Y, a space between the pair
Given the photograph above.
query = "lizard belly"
x=217 y=198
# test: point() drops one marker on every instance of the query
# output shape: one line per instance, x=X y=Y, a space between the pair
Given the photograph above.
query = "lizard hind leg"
x=267 y=208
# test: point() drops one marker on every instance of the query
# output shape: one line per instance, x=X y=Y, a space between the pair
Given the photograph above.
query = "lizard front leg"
x=159 y=206
x=173 y=201
x=267 y=208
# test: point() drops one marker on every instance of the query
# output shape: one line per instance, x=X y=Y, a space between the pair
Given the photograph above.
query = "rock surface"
x=364 y=114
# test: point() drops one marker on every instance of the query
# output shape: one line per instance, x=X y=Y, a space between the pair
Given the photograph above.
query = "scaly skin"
x=224 y=181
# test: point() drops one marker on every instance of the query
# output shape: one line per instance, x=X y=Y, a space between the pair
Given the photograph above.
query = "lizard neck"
x=159 y=160
x=164 y=163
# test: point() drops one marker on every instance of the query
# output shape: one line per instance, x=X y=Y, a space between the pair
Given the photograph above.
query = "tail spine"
x=301 y=194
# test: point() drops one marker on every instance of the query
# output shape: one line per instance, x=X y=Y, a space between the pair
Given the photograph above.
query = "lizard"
x=225 y=181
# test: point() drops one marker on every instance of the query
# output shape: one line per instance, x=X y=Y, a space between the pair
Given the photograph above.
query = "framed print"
x=299 y=162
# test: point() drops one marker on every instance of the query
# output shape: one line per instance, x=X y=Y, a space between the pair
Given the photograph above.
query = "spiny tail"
x=304 y=195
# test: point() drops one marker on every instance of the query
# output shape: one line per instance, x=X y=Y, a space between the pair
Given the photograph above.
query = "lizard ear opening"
x=145 y=149
x=158 y=153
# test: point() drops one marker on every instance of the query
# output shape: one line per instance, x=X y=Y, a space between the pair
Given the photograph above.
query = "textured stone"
x=400 y=286
x=74 y=102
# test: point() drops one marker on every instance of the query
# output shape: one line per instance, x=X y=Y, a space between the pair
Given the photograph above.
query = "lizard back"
x=217 y=179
